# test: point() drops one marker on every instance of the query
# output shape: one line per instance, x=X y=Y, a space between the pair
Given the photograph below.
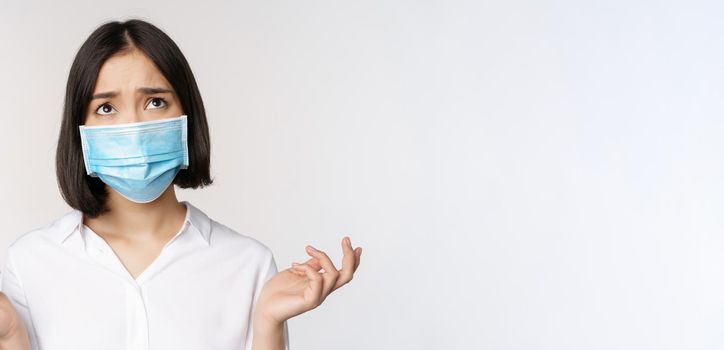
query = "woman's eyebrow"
x=145 y=90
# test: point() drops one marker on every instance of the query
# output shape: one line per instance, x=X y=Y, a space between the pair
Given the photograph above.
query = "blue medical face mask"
x=138 y=160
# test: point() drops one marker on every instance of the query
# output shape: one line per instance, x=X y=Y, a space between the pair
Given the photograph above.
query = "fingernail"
x=294 y=263
x=312 y=248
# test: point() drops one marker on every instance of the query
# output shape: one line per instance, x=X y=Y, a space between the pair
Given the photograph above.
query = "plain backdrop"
x=521 y=174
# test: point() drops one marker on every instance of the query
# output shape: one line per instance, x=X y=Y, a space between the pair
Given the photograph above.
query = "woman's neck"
x=143 y=221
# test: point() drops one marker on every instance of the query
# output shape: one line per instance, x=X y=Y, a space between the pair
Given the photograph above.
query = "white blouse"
x=73 y=292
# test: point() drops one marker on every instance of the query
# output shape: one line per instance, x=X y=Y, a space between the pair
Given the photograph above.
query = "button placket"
x=136 y=320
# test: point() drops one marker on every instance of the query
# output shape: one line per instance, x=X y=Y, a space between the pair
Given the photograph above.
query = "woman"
x=130 y=266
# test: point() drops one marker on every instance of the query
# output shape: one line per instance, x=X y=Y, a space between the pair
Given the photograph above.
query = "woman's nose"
x=134 y=117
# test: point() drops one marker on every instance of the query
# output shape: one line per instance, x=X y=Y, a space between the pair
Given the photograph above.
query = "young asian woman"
x=131 y=266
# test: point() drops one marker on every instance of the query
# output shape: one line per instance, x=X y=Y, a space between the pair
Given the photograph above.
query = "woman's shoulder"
x=225 y=237
x=48 y=233
x=222 y=237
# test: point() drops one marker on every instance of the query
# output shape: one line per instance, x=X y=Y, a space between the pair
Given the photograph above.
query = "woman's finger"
x=330 y=274
x=357 y=255
x=348 y=261
x=313 y=294
x=313 y=262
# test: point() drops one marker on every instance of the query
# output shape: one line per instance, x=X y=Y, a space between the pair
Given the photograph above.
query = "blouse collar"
x=72 y=221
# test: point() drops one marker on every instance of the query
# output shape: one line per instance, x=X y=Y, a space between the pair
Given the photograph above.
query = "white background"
x=520 y=174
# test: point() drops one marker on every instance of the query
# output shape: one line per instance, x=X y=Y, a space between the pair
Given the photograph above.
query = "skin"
x=138 y=231
x=13 y=335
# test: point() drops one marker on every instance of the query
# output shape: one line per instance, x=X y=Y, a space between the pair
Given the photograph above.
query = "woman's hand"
x=303 y=287
x=13 y=335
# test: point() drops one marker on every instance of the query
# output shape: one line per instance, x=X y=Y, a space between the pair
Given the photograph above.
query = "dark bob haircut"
x=88 y=194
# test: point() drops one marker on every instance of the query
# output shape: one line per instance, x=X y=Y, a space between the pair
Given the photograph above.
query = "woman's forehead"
x=127 y=70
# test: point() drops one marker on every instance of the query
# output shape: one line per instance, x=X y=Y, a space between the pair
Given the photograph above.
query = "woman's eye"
x=156 y=102
x=104 y=109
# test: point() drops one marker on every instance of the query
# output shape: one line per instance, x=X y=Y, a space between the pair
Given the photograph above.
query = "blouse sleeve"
x=12 y=286
x=268 y=271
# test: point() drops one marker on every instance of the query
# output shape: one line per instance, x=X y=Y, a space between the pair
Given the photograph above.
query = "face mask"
x=138 y=160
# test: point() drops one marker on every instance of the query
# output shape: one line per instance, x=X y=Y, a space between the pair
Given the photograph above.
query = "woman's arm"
x=267 y=335
x=14 y=335
x=299 y=289
x=262 y=331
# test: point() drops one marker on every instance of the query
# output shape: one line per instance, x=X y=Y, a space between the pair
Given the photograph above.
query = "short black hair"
x=88 y=194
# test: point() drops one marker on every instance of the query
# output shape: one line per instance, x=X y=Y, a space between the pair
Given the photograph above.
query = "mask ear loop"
x=184 y=139
x=84 y=150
